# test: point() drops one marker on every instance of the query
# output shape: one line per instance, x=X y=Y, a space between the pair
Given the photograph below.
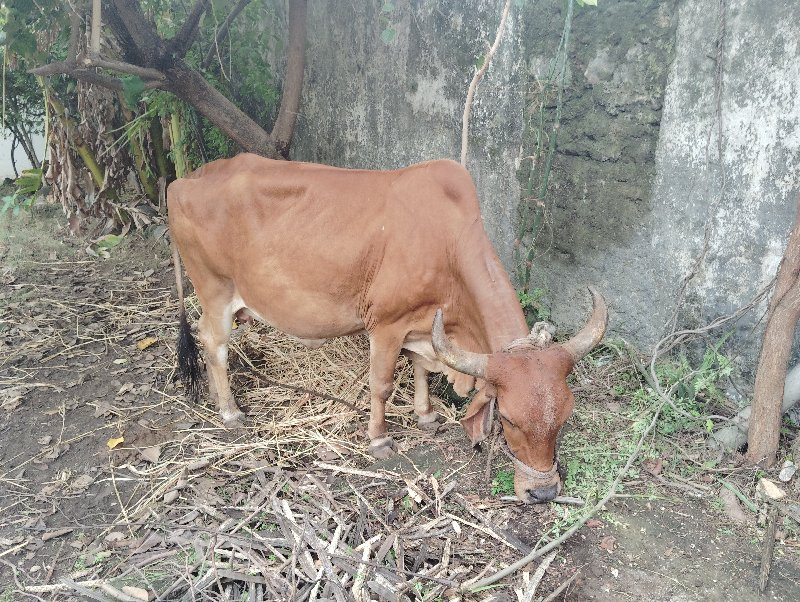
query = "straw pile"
x=285 y=509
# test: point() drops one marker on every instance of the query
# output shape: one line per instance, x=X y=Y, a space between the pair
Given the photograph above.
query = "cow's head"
x=533 y=399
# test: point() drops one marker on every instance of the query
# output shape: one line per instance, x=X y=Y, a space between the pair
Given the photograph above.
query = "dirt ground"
x=86 y=357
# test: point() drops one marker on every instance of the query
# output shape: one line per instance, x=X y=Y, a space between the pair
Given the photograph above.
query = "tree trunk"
x=188 y=85
x=13 y=160
x=782 y=317
x=293 y=82
x=159 y=63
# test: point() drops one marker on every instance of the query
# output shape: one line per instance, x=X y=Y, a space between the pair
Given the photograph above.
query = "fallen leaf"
x=102 y=408
x=82 y=482
x=151 y=454
x=98 y=557
x=413 y=492
x=732 y=507
x=136 y=592
x=114 y=441
x=54 y=452
x=114 y=536
x=121 y=360
x=10 y=398
x=608 y=543
x=6 y=542
x=145 y=343
x=44 y=440
x=56 y=533
x=328 y=452
x=125 y=389
x=593 y=523
x=654 y=467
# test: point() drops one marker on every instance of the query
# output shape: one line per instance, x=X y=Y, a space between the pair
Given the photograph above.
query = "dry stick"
x=767 y=547
x=560 y=589
x=471 y=587
x=94 y=45
x=476 y=78
x=537 y=577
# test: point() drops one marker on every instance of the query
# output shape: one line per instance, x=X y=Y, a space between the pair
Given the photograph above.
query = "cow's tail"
x=188 y=353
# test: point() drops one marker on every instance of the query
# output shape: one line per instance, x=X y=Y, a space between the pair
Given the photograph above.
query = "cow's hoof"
x=234 y=420
x=382 y=448
x=429 y=422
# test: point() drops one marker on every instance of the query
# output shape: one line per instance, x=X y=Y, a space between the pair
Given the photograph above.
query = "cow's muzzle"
x=534 y=486
x=542 y=495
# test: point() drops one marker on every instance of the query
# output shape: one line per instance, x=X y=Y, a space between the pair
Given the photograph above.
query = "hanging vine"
x=534 y=210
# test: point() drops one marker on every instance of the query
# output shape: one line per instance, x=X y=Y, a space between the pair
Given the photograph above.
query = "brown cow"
x=321 y=252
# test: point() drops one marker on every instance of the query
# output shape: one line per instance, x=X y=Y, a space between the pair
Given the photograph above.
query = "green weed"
x=532 y=306
x=503 y=482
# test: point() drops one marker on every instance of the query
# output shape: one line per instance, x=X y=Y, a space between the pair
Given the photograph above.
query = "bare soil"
x=76 y=373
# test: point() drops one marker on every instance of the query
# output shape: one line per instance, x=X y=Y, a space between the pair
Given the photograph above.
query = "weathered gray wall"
x=601 y=189
x=374 y=105
x=638 y=172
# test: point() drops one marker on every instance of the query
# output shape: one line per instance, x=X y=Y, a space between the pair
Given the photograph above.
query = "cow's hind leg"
x=427 y=418
x=384 y=348
x=214 y=330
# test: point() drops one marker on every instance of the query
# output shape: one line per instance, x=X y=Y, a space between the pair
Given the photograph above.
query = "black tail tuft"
x=188 y=360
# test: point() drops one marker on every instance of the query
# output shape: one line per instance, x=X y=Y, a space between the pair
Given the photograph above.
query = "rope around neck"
x=529 y=470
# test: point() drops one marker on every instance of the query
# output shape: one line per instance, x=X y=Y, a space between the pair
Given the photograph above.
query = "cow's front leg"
x=383 y=352
x=214 y=331
x=427 y=418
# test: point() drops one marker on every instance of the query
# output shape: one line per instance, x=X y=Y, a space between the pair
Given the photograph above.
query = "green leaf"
x=29 y=182
x=387 y=7
x=586 y=2
x=479 y=62
x=8 y=203
x=109 y=241
x=132 y=88
x=388 y=34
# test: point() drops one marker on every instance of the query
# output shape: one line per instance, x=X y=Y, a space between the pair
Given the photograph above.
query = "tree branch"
x=188 y=85
x=92 y=76
x=474 y=83
x=293 y=82
x=183 y=40
x=71 y=68
x=143 y=72
x=223 y=31
x=74 y=32
x=97 y=22
x=137 y=36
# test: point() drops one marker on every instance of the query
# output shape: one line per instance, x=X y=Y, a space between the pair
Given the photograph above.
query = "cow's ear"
x=478 y=420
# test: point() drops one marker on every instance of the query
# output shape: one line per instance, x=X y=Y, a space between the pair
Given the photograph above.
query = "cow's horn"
x=588 y=338
x=467 y=362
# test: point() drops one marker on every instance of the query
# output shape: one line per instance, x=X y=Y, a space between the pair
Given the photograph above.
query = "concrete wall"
x=370 y=104
x=638 y=173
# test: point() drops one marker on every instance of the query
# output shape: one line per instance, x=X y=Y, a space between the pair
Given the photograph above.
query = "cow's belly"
x=312 y=319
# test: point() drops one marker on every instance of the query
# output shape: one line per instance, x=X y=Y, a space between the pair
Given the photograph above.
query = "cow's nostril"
x=545 y=494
